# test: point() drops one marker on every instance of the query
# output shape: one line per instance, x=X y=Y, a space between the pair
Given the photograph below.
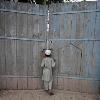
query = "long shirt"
x=47 y=65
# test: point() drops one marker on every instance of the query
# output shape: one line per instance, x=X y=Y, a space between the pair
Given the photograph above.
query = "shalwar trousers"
x=48 y=85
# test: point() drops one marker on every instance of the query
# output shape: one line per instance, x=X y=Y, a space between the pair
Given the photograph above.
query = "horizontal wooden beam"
x=43 y=40
x=22 y=39
x=75 y=12
x=22 y=12
x=59 y=76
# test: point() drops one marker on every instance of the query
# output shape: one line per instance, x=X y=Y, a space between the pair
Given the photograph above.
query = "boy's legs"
x=46 y=86
x=50 y=88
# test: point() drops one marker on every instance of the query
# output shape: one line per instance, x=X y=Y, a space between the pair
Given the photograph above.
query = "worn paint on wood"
x=73 y=58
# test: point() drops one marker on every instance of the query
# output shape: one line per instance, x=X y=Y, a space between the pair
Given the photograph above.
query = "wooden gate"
x=73 y=37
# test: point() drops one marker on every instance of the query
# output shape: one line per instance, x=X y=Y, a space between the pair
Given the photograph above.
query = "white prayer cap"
x=47 y=52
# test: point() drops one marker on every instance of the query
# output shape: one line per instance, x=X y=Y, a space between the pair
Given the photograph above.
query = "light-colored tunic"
x=47 y=64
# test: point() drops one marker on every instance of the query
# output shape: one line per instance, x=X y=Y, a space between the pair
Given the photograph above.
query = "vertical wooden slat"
x=2 y=20
x=96 y=51
x=30 y=58
x=65 y=22
x=2 y=41
x=2 y=47
x=3 y=83
x=54 y=22
x=11 y=83
x=97 y=29
x=89 y=32
x=42 y=21
x=32 y=83
x=10 y=45
x=54 y=46
x=41 y=47
x=61 y=84
x=22 y=83
x=22 y=46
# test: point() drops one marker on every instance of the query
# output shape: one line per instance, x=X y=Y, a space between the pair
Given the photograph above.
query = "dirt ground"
x=41 y=95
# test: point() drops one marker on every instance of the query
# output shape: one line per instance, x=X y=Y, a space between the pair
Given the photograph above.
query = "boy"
x=47 y=65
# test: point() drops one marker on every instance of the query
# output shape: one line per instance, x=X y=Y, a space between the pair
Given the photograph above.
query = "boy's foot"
x=46 y=91
x=51 y=93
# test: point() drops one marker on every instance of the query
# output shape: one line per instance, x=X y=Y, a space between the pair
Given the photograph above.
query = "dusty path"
x=41 y=95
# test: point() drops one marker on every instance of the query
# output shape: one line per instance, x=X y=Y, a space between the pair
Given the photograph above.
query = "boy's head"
x=48 y=52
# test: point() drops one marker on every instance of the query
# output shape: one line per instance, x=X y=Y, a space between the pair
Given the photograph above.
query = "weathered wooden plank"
x=21 y=20
x=89 y=33
x=81 y=58
x=35 y=59
x=3 y=83
x=96 y=64
x=30 y=20
x=51 y=22
x=54 y=46
x=2 y=20
x=32 y=59
x=11 y=83
x=10 y=45
x=61 y=83
x=96 y=51
x=10 y=19
x=42 y=22
x=34 y=83
x=30 y=45
x=10 y=53
x=79 y=26
x=95 y=86
x=22 y=46
x=22 y=83
x=33 y=21
x=72 y=85
x=56 y=26
x=88 y=65
x=97 y=29
x=97 y=59
x=54 y=22
x=90 y=20
x=33 y=48
x=66 y=22
x=86 y=86
x=41 y=48
x=71 y=65
x=2 y=57
x=2 y=42
x=21 y=60
x=55 y=83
